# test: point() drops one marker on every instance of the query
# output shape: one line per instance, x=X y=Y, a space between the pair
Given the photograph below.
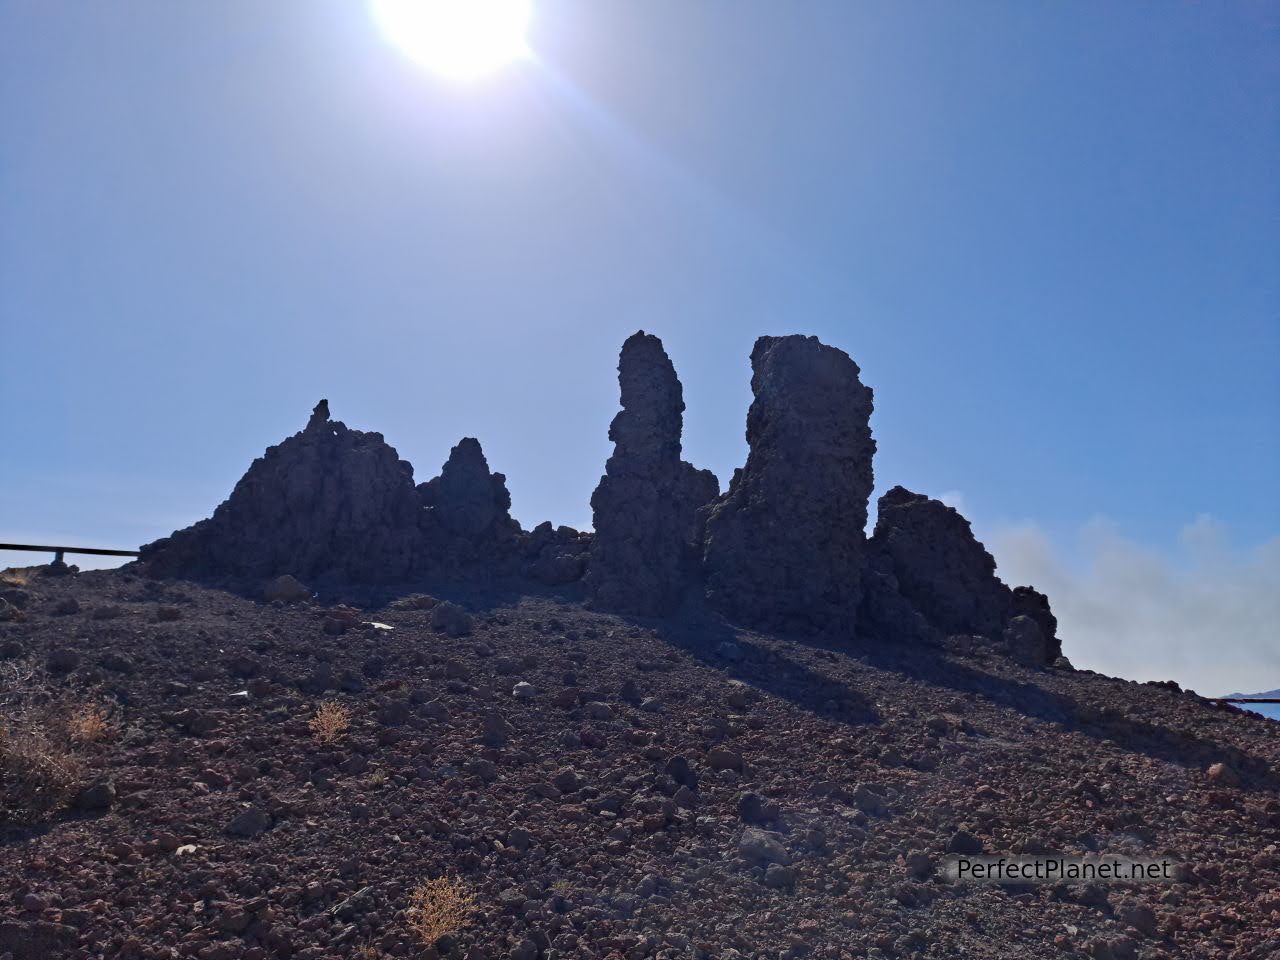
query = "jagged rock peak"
x=784 y=547
x=319 y=416
x=328 y=502
x=643 y=554
x=467 y=499
x=651 y=419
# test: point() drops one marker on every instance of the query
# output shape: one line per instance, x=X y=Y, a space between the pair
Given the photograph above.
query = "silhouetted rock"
x=645 y=506
x=1026 y=643
x=466 y=521
x=784 y=546
x=925 y=563
x=1029 y=602
x=941 y=569
x=329 y=502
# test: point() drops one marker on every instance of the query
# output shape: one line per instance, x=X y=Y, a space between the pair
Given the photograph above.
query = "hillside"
x=614 y=806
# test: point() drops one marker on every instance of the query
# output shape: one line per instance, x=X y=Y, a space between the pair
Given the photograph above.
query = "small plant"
x=37 y=775
x=378 y=779
x=331 y=722
x=15 y=577
x=88 y=724
x=438 y=907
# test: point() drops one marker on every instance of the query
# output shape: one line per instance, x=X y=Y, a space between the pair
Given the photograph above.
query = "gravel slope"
x=600 y=813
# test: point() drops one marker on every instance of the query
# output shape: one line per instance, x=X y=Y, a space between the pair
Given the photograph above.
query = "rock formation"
x=329 y=502
x=466 y=520
x=645 y=506
x=784 y=547
x=940 y=567
x=926 y=552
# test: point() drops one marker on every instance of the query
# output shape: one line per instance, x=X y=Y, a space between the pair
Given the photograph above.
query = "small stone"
x=722 y=758
x=96 y=796
x=762 y=846
x=965 y=843
x=249 y=823
x=451 y=619
x=679 y=770
x=919 y=865
x=753 y=808
x=524 y=691
x=598 y=711
x=867 y=800
x=1223 y=775
x=777 y=876
x=496 y=731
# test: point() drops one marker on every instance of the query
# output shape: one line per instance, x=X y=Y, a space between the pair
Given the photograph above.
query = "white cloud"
x=1207 y=616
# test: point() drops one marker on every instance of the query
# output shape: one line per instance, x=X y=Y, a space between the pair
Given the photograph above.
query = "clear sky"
x=1047 y=232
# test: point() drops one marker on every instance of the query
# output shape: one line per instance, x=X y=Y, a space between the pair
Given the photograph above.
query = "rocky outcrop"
x=785 y=546
x=466 y=520
x=645 y=506
x=940 y=567
x=928 y=561
x=327 y=503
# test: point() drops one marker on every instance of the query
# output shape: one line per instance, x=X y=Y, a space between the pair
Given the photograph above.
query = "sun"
x=463 y=39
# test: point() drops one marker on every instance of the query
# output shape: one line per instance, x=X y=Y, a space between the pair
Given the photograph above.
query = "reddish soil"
x=215 y=825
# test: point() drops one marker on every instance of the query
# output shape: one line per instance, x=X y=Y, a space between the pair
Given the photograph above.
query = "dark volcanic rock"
x=466 y=520
x=928 y=575
x=555 y=555
x=940 y=567
x=1029 y=602
x=645 y=506
x=784 y=546
x=327 y=502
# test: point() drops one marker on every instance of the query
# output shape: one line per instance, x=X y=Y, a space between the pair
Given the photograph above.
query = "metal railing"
x=59 y=551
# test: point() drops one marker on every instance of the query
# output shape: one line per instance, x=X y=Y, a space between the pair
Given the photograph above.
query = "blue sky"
x=1048 y=233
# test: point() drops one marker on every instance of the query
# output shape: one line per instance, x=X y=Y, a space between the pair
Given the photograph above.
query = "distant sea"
x=1271 y=710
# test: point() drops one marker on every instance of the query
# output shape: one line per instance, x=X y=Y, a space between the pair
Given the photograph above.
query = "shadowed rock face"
x=466 y=520
x=645 y=506
x=926 y=551
x=784 y=547
x=940 y=567
x=327 y=502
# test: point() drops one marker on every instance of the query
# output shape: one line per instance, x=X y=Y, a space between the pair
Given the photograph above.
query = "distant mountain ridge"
x=1271 y=710
x=1266 y=695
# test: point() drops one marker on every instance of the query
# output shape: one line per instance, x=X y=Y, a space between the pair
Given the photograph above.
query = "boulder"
x=1029 y=602
x=555 y=555
x=1025 y=642
x=327 y=502
x=784 y=546
x=285 y=589
x=645 y=507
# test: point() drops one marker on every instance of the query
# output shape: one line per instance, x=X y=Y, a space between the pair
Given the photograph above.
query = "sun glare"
x=463 y=39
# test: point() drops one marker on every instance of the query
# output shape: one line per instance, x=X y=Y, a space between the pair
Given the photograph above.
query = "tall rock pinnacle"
x=784 y=547
x=645 y=506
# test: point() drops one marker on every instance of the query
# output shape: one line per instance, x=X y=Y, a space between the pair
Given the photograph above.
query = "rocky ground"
x=605 y=787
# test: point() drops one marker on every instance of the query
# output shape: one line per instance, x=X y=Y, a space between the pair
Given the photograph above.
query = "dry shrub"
x=331 y=722
x=88 y=724
x=16 y=577
x=438 y=907
x=37 y=774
